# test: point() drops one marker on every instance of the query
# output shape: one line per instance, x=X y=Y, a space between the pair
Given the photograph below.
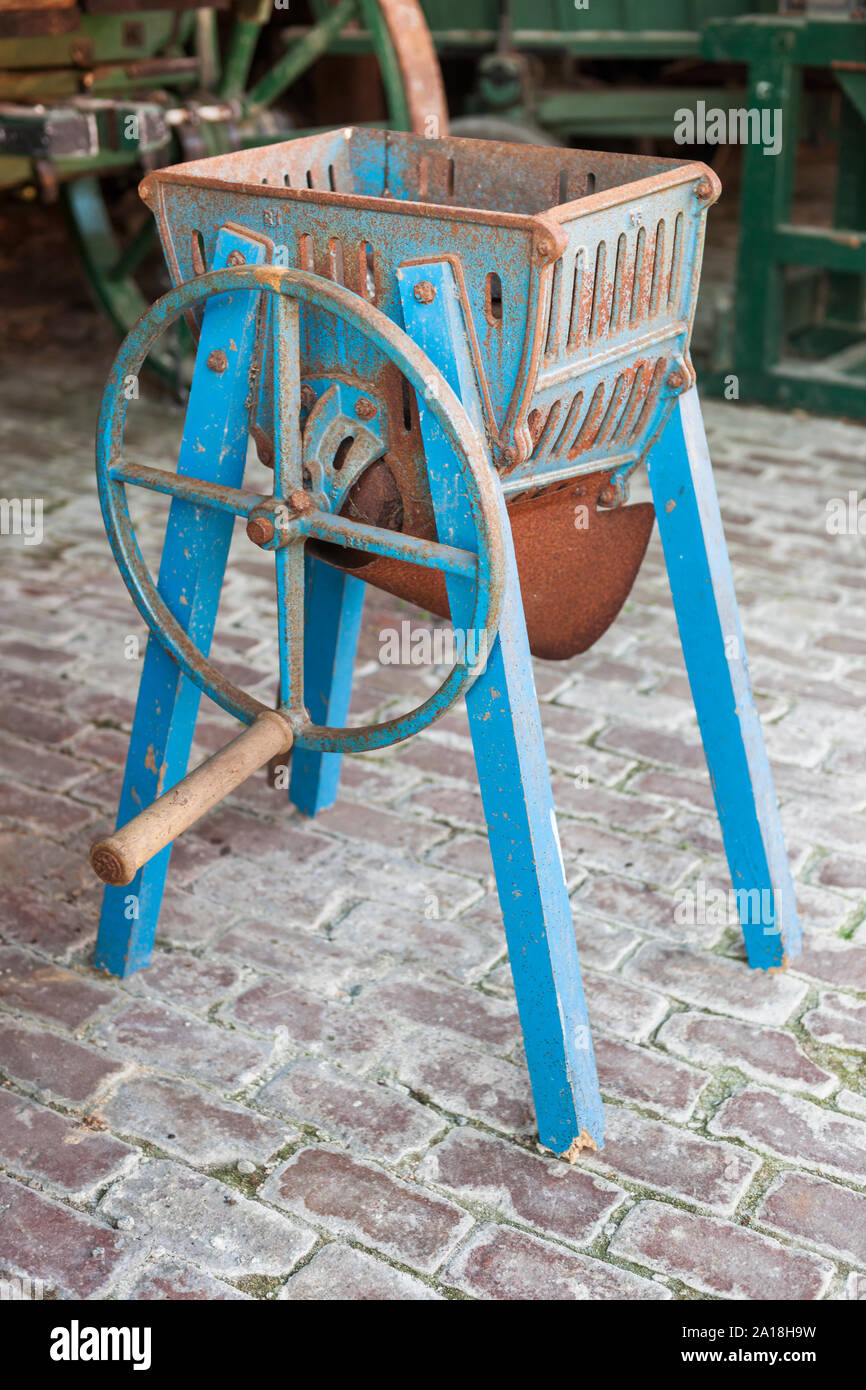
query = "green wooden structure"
x=532 y=58
x=798 y=335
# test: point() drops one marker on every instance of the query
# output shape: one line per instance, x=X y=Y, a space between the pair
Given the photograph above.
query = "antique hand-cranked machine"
x=442 y=347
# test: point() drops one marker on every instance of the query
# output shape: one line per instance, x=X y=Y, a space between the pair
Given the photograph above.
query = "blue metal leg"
x=333 y=607
x=513 y=774
x=190 y=578
x=699 y=570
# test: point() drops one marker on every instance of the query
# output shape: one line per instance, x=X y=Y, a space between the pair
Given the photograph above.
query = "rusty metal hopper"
x=577 y=275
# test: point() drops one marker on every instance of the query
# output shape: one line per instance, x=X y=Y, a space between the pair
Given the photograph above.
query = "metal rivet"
x=424 y=292
x=236 y=258
x=676 y=380
x=300 y=501
x=217 y=360
x=365 y=409
x=308 y=396
x=703 y=188
x=260 y=530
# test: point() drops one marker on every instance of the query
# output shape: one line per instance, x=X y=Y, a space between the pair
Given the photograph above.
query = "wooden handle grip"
x=117 y=859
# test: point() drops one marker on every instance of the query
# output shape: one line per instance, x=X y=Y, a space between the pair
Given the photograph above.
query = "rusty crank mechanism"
x=453 y=370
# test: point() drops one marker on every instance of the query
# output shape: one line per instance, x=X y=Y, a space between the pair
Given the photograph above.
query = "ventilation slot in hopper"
x=306 y=259
x=493 y=297
x=542 y=433
x=407 y=394
x=617 y=301
x=553 y=311
x=197 y=252
x=676 y=262
x=367 y=270
x=336 y=267
x=651 y=398
x=636 y=313
x=575 y=327
x=634 y=401
x=612 y=413
x=596 y=314
x=571 y=419
x=589 y=428
x=656 y=287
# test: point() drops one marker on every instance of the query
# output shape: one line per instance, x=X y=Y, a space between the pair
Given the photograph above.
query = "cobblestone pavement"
x=319 y=1092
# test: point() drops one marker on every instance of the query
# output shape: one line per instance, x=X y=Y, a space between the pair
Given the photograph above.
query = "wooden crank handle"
x=118 y=858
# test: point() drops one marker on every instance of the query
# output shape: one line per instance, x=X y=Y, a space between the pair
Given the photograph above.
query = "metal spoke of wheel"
x=286 y=357
x=237 y=501
x=300 y=57
x=290 y=609
x=393 y=545
x=289 y=481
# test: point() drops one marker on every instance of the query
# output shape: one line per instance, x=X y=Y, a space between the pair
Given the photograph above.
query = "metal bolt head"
x=703 y=188
x=607 y=496
x=308 y=396
x=365 y=409
x=676 y=379
x=217 y=360
x=424 y=292
x=236 y=258
x=300 y=501
x=260 y=530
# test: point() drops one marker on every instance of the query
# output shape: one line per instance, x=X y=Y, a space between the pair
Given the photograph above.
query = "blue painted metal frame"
x=334 y=607
x=190 y=579
x=687 y=509
x=512 y=767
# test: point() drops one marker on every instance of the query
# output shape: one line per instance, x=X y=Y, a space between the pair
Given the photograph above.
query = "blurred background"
x=95 y=92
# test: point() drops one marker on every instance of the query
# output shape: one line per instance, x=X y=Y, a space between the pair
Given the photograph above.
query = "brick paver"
x=318 y=1090
x=716 y=1257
